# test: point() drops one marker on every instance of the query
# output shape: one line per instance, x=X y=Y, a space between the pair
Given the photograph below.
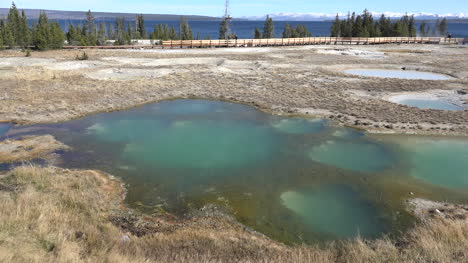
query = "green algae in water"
x=205 y=145
x=180 y=155
x=335 y=210
x=441 y=162
x=299 y=126
x=356 y=155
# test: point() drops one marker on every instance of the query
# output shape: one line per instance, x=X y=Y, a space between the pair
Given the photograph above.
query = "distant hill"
x=79 y=15
x=459 y=17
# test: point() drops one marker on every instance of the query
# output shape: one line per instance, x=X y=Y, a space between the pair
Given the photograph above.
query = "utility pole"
x=227 y=20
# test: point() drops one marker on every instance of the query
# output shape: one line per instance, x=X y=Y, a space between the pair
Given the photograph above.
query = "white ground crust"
x=130 y=74
x=73 y=65
x=148 y=62
x=352 y=52
x=24 y=61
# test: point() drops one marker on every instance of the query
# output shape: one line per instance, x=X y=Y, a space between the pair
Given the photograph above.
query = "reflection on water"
x=295 y=180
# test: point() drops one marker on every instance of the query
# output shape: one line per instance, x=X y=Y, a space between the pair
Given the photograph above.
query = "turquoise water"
x=293 y=179
x=431 y=104
x=440 y=162
x=335 y=210
x=4 y=127
x=398 y=74
x=300 y=126
x=353 y=155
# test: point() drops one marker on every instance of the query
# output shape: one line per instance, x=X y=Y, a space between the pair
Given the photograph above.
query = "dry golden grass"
x=55 y=215
x=28 y=148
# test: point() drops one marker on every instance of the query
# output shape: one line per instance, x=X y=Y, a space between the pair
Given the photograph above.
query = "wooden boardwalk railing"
x=308 y=41
x=286 y=42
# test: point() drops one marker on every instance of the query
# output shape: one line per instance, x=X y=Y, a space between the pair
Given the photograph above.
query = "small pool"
x=4 y=127
x=431 y=104
x=397 y=74
x=425 y=101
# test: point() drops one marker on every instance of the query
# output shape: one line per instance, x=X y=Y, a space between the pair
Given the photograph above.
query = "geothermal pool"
x=4 y=127
x=294 y=179
x=397 y=74
x=427 y=101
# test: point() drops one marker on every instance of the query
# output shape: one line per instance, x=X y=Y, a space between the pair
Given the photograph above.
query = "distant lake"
x=245 y=29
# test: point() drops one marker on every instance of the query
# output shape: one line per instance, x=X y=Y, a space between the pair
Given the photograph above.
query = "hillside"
x=80 y=15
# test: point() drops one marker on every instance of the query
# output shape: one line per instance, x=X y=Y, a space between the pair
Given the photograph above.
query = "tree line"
x=15 y=31
x=45 y=34
x=288 y=31
x=364 y=25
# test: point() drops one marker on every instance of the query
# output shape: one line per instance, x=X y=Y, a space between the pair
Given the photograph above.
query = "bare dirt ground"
x=309 y=80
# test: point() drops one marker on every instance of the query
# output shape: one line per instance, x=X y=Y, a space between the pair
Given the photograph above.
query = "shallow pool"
x=4 y=127
x=293 y=179
x=436 y=104
x=398 y=74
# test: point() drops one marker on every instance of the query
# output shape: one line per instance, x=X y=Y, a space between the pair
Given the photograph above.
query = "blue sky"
x=247 y=7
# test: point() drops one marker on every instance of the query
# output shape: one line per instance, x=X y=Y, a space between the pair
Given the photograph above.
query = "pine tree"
x=121 y=36
x=111 y=32
x=13 y=21
x=223 y=29
x=268 y=28
x=357 y=27
x=101 y=36
x=184 y=30
x=288 y=31
x=301 y=31
x=71 y=35
x=25 y=33
x=41 y=33
x=56 y=36
x=2 y=25
x=443 y=27
x=172 y=34
x=411 y=27
x=140 y=27
x=130 y=32
x=424 y=29
x=90 y=29
x=258 y=33
x=336 y=27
